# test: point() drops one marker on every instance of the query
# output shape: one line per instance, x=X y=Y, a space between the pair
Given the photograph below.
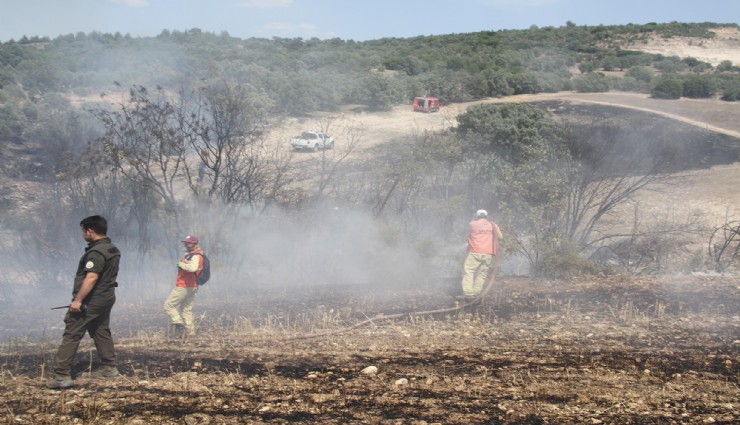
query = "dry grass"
x=610 y=350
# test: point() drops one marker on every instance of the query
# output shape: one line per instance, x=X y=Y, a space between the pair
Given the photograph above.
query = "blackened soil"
x=647 y=350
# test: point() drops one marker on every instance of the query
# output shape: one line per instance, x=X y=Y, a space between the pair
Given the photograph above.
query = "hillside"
x=710 y=191
x=725 y=45
x=321 y=309
x=298 y=85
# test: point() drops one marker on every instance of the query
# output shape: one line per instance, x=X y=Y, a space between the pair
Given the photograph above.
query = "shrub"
x=697 y=86
x=12 y=121
x=726 y=66
x=629 y=84
x=668 y=88
x=586 y=67
x=640 y=73
x=524 y=83
x=563 y=261
x=671 y=65
x=730 y=86
x=731 y=95
x=593 y=82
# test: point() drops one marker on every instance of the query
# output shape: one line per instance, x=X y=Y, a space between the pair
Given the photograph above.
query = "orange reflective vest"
x=482 y=238
x=192 y=260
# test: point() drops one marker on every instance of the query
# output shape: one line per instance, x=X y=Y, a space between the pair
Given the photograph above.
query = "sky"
x=357 y=20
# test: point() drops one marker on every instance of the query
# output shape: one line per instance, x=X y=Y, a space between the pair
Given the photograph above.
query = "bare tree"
x=724 y=245
x=145 y=138
x=215 y=132
x=231 y=145
x=323 y=175
x=607 y=167
x=350 y=137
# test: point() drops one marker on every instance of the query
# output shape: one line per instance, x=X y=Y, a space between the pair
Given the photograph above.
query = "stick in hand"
x=83 y=307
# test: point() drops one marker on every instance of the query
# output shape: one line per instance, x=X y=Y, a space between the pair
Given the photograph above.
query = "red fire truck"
x=426 y=104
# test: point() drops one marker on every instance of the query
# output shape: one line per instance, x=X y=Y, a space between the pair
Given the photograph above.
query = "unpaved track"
x=712 y=194
x=711 y=114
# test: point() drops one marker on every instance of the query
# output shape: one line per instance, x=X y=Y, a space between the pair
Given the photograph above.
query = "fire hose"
x=381 y=316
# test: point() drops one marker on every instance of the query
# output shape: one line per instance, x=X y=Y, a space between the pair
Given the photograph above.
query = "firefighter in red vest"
x=483 y=241
x=179 y=305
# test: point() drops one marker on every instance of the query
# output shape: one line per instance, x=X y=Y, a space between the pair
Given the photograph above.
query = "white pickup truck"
x=312 y=140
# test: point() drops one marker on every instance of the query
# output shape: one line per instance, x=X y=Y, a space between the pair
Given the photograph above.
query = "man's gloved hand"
x=180 y=264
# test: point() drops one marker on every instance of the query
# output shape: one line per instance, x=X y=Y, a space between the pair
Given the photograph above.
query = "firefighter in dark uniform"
x=93 y=298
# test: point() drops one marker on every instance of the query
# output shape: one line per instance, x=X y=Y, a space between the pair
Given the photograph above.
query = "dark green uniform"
x=101 y=257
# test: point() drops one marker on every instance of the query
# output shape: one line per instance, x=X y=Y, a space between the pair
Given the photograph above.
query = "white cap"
x=480 y=213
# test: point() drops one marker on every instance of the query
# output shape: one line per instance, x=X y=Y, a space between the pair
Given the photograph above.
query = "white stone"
x=370 y=370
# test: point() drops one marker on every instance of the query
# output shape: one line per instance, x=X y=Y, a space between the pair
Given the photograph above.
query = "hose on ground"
x=382 y=317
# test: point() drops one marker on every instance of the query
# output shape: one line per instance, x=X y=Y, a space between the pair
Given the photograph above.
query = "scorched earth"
x=609 y=350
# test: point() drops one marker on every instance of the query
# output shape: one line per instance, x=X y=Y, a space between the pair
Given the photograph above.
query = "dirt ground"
x=612 y=350
x=712 y=193
x=724 y=46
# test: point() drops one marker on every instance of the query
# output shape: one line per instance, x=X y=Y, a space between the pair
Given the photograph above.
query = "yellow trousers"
x=179 y=306
x=475 y=272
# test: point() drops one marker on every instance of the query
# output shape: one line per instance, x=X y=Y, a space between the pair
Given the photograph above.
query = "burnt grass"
x=615 y=137
x=607 y=350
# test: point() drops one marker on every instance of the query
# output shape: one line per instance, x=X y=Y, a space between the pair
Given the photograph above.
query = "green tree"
x=498 y=84
x=379 y=92
x=731 y=94
x=512 y=152
x=12 y=121
x=699 y=86
x=524 y=83
x=586 y=67
x=593 y=82
x=668 y=88
x=516 y=132
x=640 y=73
x=671 y=65
x=725 y=66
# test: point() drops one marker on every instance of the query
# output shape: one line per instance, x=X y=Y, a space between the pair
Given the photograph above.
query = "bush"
x=552 y=83
x=12 y=121
x=671 y=65
x=564 y=261
x=731 y=95
x=593 y=82
x=698 y=86
x=730 y=86
x=726 y=66
x=640 y=73
x=524 y=83
x=629 y=84
x=696 y=65
x=668 y=88
x=586 y=67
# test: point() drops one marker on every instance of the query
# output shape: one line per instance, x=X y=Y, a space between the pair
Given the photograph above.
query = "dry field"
x=618 y=350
